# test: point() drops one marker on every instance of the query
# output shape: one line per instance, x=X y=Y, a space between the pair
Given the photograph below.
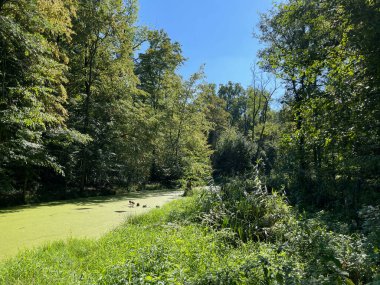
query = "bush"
x=370 y=216
x=245 y=206
x=328 y=257
x=233 y=155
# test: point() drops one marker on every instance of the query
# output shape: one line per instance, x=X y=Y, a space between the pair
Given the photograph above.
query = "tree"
x=101 y=79
x=156 y=69
x=215 y=112
x=332 y=136
x=189 y=119
x=250 y=115
x=32 y=72
x=234 y=96
x=233 y=155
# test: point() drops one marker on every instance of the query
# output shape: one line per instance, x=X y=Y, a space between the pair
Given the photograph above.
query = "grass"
x=170 y=246
x=147 y=249
x=136 y=246
x=28 y=226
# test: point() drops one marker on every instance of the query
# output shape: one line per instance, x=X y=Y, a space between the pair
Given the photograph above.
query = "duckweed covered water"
x=28 y=226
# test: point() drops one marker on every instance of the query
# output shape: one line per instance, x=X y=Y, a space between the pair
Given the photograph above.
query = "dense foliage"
x=326 y=52
x=90 y=102
x=175 y=245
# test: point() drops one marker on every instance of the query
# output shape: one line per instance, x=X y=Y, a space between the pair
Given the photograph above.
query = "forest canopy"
x=91 y=101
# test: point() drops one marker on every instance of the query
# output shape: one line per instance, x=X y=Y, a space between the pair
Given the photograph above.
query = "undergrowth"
x=237 y=234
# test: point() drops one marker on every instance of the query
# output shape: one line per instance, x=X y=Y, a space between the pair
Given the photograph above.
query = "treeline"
x=322 y=147
x=91 y=101
x=327 y=54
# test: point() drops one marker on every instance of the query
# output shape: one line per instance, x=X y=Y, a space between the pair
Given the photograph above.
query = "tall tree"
x=32 y=74
x=156 y=70
x=216 y=114
x=100 y=78
x=315 y=47
x=234 y=96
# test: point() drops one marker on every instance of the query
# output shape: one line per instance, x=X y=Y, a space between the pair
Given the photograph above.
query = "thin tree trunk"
x=261 y=139
x=301 y=142
x=89 y=61
x=25 y=186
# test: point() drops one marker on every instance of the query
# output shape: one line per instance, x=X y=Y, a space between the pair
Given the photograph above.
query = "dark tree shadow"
x=93 y=201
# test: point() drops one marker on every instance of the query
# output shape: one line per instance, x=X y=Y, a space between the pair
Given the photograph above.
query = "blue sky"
x=217 y=33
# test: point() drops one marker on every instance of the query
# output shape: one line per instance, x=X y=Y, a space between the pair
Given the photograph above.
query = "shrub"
x=245 y=206
x=328 y=257
x=370 y=216
x=233 y=155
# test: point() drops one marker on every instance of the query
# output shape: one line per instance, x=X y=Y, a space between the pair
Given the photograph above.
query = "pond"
x=27 y=226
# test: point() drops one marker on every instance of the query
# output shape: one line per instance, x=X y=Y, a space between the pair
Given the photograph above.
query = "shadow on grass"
x=89 y=201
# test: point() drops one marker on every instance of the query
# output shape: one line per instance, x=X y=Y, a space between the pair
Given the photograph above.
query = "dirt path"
x=28 y=226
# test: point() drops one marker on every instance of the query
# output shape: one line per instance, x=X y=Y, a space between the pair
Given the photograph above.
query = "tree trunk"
x=86 y=110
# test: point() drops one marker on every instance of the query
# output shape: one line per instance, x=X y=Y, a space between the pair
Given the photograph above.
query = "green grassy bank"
x=181 y=243
x=144 y=250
